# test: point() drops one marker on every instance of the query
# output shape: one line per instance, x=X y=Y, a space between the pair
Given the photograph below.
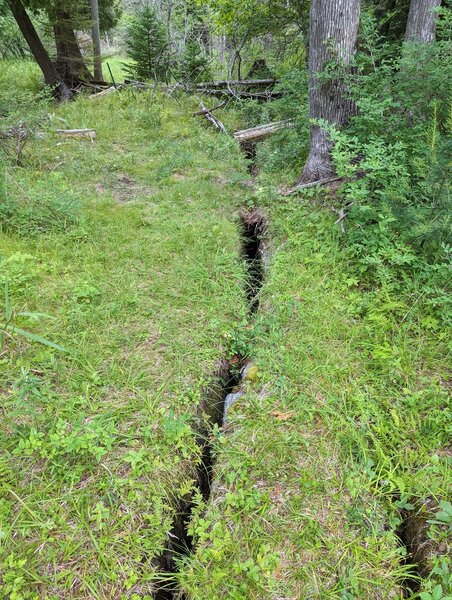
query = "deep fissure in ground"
x=413 y=534
x=226 y=381
x=211 y=411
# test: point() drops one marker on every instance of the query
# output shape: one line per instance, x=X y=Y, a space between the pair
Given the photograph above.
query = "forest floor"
x=340 y=432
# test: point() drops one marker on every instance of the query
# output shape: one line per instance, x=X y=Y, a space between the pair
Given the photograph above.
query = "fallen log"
x=212 y=118
x=238 y=83
x=97 y=85
x=106 y=92
x=140 y=85
x=268 y=95
x=254 y=134
x=89 y=133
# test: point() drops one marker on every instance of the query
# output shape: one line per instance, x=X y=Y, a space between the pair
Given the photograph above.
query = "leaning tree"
x=65 y=18
x=40 y=54
x=333 y=35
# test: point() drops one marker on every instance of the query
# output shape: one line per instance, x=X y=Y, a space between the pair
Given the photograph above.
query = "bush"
x=395 y=158
x=147 y=46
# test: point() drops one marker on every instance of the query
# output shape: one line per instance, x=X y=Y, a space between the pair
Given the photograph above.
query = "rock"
x=232 y=399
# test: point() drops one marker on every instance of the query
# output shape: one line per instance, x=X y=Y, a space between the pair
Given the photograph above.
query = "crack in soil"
x=212 y=411
x=413 y=534
x=226 y=387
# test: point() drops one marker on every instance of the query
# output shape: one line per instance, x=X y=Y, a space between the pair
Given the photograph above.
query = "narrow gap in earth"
x=249 y=150
x=411 y=581
x=222 y=392
x=413 y=536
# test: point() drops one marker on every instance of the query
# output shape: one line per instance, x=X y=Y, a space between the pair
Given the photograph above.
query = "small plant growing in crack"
x=239 y=341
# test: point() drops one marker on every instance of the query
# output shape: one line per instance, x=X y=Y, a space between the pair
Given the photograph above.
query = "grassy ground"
x=139 y=284
x=344 y=429
x=130 y=248
x=116 y=64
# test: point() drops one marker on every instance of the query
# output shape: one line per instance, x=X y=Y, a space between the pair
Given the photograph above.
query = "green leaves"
x=444 y=516
x=254 y=16
x=436 y=594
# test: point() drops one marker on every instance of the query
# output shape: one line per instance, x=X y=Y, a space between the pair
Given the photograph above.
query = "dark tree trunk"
x=69 y=61
x=421 y=24
x=96 y=40
x=333 y=33
x=51 y=76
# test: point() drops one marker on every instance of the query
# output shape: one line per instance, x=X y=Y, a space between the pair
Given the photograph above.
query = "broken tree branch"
x=106 y=92
x=342 y=213
x=89 y=133
x=213 y=119
x=267 y=95
x=200 y=113
x=304 y=186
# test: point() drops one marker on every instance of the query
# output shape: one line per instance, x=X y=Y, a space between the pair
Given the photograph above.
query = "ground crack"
x=226 y=388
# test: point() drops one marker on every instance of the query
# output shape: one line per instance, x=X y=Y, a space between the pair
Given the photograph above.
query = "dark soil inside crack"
x=212 y=413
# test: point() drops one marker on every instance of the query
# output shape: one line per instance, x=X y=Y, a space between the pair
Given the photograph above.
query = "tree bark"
x=51 y=75
x=96 y=40
x=421 y=24
x=333 y=33
x=69 y=61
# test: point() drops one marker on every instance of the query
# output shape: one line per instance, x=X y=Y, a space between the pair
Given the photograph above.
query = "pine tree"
x=147 y=46
x=194 y=65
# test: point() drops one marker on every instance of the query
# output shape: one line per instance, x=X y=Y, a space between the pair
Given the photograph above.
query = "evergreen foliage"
x=194 y=65
x=147 y=46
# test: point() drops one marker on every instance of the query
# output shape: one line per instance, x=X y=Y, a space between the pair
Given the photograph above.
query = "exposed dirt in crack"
x=421 y=549
x=249 y=150
x=254 y=227
x=226 y=386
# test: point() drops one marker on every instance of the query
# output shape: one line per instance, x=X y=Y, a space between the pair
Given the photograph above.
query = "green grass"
x=96 y=441
x=116 y=64
x=130 y=253
x=346 y=425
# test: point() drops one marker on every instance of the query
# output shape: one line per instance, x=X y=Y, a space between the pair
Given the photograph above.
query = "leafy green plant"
x=435 y=594
x=443 y=516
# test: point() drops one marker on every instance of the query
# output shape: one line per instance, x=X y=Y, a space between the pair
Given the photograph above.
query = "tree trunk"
x=51 y=76
x=69 y=61
x=96 y=40
x=333 y=33
x=421 y=24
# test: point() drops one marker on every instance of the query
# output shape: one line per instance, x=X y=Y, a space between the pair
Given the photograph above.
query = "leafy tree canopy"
x=256 y=16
